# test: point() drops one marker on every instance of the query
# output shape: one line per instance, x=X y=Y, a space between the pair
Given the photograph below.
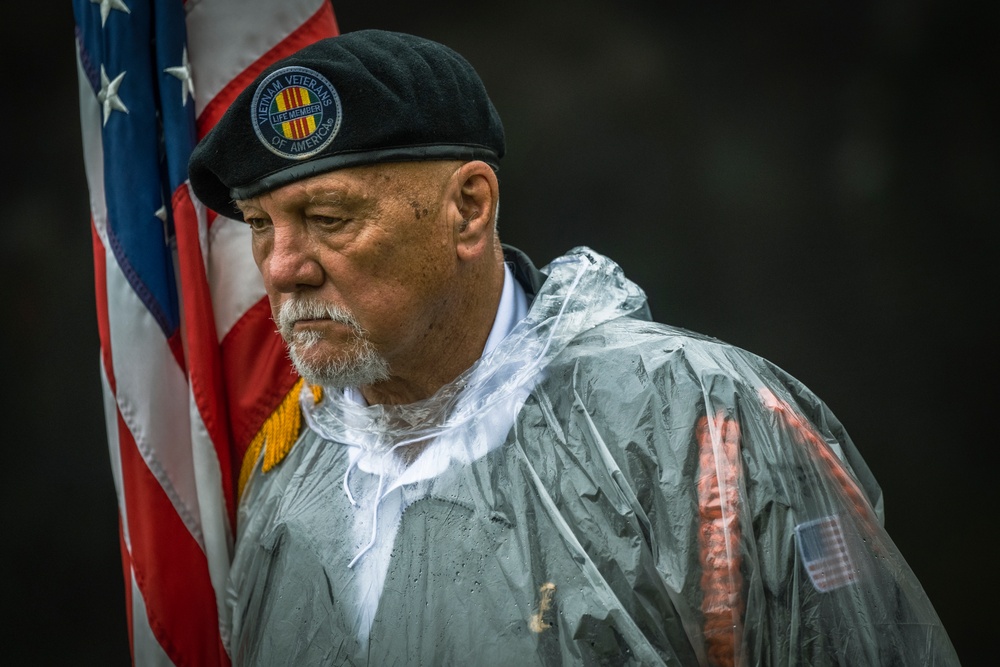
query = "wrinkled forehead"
x=356 y=187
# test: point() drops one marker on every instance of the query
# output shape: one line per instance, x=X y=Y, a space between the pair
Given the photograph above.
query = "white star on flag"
x=108 y=94
x=184 y=74
x=108 y=5
x=161 y=214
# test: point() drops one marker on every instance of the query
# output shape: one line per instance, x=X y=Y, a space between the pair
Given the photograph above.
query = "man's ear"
x=476 y=201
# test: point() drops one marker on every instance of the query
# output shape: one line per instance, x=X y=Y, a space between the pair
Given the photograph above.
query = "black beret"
x=360 y=98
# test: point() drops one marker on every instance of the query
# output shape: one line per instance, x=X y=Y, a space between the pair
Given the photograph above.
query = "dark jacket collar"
x=524 y=271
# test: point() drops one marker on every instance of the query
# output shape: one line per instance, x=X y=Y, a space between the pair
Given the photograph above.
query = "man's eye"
x=257 y=224
x=329 y=222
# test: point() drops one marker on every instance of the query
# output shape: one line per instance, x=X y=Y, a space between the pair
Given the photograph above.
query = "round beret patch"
x=295 y=112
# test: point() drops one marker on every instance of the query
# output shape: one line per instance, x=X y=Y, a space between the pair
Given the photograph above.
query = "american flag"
x=825 y=554
x=191 y=365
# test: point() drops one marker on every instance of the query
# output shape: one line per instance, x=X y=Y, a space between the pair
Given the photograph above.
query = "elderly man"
x=503 y=465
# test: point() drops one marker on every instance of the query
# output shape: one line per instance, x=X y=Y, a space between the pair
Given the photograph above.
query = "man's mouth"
x=316 y=324
x=315 y=320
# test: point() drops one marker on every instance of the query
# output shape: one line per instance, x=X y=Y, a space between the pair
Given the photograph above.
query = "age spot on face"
x=418 y=210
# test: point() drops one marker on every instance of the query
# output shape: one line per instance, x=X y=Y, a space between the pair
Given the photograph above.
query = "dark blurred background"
x=815 y=182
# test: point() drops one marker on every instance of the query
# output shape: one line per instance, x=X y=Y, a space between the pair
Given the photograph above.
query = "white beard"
x=359 y=365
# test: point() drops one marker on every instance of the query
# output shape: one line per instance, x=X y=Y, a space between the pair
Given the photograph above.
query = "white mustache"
x=310 y=309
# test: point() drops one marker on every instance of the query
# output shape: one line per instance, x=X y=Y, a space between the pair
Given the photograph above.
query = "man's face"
x=358 y=265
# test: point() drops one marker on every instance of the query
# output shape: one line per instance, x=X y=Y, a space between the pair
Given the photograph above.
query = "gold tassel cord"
x=537 y=622
x=276 y=436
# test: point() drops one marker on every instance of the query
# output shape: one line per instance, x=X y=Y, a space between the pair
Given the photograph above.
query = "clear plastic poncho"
x=598 y=490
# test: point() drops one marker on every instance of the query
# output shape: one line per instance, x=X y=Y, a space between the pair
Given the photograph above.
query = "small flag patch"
x=824 y=554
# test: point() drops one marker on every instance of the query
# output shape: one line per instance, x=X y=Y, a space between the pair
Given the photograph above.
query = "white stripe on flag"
x=152 y=396
x=214 y=521
x=93 y=150
x=233 y=277
x=250 y=28
x=114 y=451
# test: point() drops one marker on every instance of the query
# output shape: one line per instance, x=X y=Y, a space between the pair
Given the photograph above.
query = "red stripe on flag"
x=176 y=346
x=205 y=373
x=258 y=374
x=101 y=293
x=180 y=602
x=321 y=24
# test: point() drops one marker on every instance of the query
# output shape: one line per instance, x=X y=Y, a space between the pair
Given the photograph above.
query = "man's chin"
x=353 y=368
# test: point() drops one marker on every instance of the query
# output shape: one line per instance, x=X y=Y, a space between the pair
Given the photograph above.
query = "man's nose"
x=293 y=262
